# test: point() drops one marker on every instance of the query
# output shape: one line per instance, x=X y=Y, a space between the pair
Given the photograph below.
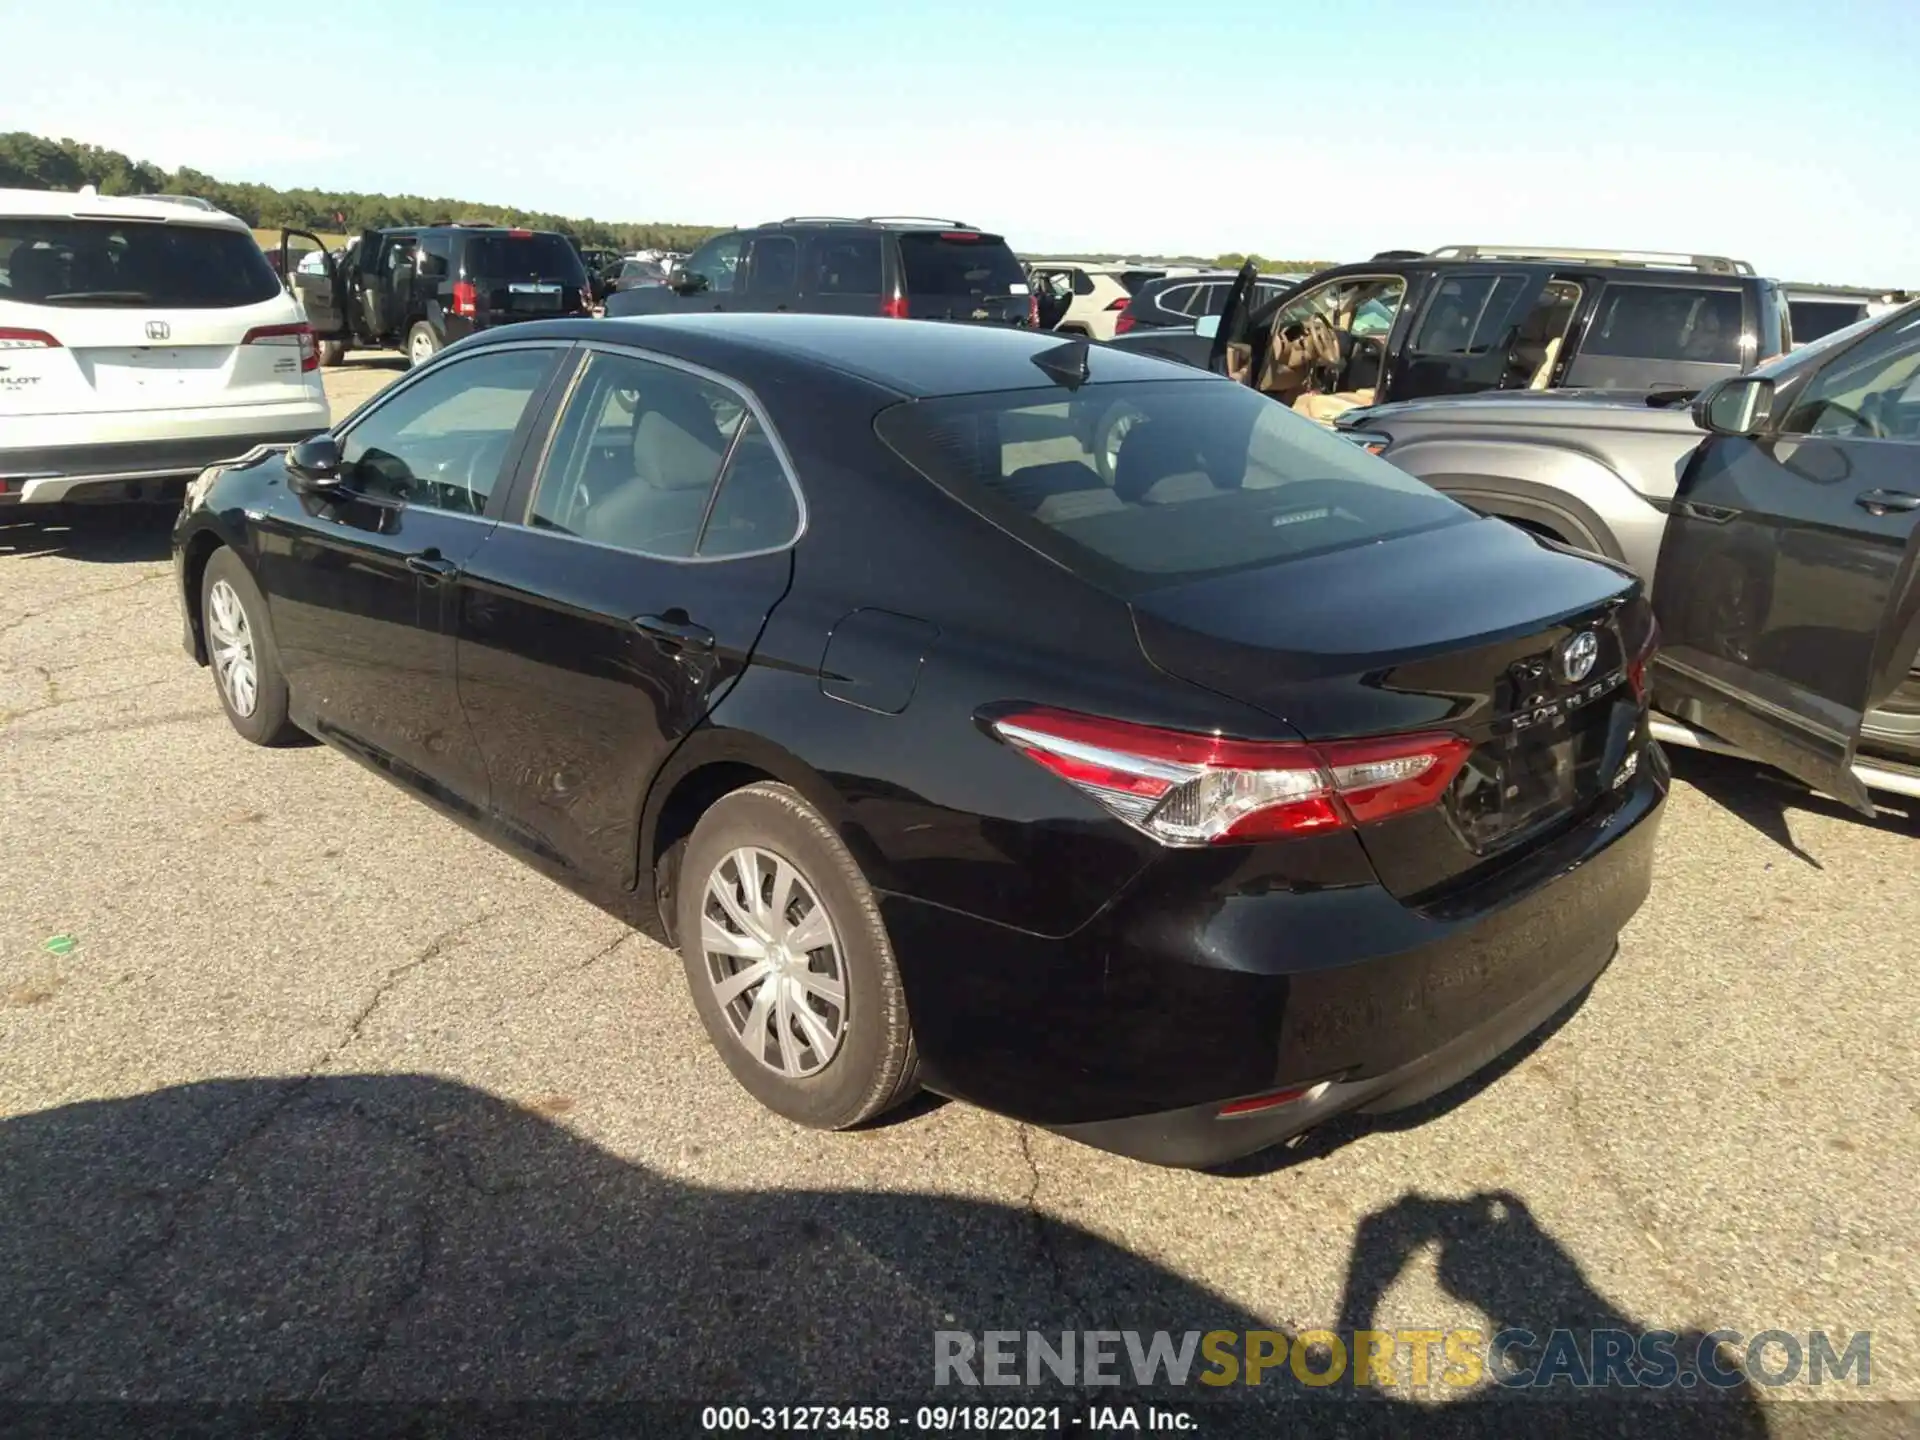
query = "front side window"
x=1667 y=322
x=1364 y=306
x=717 y=261
x=79 y=263
x=441 y=441
x=1207 y=478
x=635 y=457
x=1870 y=394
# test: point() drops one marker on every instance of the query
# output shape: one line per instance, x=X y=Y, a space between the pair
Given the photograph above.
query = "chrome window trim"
x=749 y=401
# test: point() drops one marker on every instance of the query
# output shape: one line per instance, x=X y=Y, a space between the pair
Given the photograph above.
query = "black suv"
x=1469 y=318
x=419 y=288
x=904 y=267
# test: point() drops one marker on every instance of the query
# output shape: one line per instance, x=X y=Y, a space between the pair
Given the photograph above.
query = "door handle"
x=1712 y=514
x=432 y=565
x=1882 y=502
x=674 y=635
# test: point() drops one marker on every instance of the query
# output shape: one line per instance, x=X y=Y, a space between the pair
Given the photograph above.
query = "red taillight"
x=1254 y=1104
x=1187 y=789
x=959 y=234
x=12 y=339
x=1125 y=322
x=894 y=308
x=1122 y=303
x=466 y=300
x=300 y=335
x=1642 y=659
x=520 y=234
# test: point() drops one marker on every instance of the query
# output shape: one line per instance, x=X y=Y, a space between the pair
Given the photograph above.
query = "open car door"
x=1787 y=589
x=1232 y=353
x=320 y=294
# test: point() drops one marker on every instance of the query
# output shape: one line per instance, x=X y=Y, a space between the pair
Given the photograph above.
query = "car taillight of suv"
x=1125 y=323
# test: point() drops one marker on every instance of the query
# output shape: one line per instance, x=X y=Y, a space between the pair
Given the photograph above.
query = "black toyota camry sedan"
x=1175 y=798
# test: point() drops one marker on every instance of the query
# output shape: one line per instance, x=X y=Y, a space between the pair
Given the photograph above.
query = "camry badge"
x=1575 y=658
x=158 y=330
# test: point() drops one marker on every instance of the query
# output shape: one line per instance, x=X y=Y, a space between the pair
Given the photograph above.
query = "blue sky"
x=1784 y=133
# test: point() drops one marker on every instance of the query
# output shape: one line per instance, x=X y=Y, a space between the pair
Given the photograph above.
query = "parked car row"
x=1264 y=782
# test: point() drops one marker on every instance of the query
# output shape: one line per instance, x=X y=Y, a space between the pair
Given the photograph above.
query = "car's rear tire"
x=422 y=343
x=240 y=651
x=765 y=887
x=332 y=353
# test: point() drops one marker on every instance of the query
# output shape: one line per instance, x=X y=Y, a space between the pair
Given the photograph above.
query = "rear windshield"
x=943 y=264
x=131 y=262
x=1667 y=322
x=543 y=257
x=1143 y=484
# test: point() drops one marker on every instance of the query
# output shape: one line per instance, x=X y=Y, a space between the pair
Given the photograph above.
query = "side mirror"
x=314 y=466
x=1207 y=326
x=1738 y=405
x=688 y=282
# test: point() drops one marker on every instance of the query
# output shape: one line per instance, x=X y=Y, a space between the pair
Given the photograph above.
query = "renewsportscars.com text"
x=1406 y=1359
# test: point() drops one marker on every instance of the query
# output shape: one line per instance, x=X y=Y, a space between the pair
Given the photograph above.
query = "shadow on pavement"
x=98 y=534
x=1765 y=798
x=405 y=1239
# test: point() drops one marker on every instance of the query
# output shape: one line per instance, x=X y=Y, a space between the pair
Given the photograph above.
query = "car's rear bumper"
x=1205 y=984
x=133 y=470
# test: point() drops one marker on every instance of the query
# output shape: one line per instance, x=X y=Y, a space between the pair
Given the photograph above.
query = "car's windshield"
x=54 y=261
x=1145 y=483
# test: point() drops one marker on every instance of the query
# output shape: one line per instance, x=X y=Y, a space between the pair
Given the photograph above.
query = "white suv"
x=1087 y=299
x=140 y=341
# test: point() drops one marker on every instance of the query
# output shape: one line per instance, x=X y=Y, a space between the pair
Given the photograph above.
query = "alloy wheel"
x=231 y=638
x=774 y=959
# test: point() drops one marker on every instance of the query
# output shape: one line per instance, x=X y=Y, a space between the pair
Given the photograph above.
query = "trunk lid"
x=1478 y=629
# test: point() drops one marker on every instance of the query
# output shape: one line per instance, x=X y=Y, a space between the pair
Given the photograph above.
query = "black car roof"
x=914 y=358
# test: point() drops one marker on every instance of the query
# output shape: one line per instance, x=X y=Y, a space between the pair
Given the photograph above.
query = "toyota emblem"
x=1575 y=658
x=158 y=330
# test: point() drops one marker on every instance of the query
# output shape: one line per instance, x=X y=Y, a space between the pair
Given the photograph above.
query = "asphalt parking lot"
x=309 y=1093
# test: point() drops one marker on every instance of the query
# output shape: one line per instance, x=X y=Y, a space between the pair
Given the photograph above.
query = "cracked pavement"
x=331 y=1099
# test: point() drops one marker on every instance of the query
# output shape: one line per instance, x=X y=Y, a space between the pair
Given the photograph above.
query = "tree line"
x=34 y=162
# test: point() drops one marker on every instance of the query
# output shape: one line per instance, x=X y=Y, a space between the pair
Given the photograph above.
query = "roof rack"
x=816 y=220
x=915 y=220
x=197 y=202
x=1642 y=259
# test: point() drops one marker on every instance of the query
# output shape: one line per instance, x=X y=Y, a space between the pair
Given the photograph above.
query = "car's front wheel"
x=246 y=668
x=789 y=963
x=422 y=343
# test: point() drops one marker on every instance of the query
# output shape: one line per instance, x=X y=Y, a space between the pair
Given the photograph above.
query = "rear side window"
x=841 y=265
x=1813 y=319
x=529 y=257
x=50 y=261
x=1667 y=322
x=1178 y=299
x=1144 y=484
x=959 y=263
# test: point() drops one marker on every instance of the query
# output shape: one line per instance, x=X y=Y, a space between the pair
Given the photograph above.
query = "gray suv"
x=1808 y=499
